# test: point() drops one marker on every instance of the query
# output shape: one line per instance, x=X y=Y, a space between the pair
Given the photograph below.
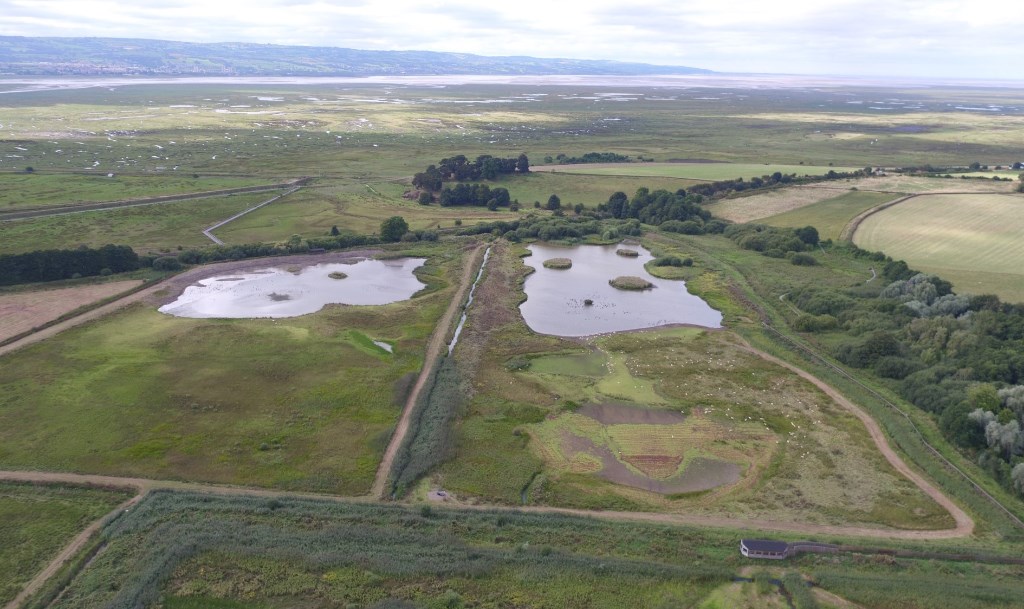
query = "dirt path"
x=435 y=348
x=964 y=523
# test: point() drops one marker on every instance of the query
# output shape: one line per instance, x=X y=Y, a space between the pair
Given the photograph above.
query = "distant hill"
x=117 y=56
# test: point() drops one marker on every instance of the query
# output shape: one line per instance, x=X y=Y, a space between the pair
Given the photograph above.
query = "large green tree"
x=393 y=228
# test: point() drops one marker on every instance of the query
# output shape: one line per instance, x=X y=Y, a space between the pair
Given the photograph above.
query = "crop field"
x=159 y=227
x=36 y=521
x=21 y=190
x=830 y=216
x=971 y=240
x=693 y=171
x=296 y=403
x=673 y=420
x=23 y=310
x=779 y=201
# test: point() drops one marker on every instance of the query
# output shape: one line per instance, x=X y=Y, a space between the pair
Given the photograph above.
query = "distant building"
x=762 y=548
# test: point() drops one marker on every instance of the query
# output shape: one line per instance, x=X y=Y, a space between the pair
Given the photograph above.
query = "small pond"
x=290 y=292
x=556 y=297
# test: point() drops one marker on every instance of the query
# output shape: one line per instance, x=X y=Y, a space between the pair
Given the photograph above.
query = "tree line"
x=53 y=265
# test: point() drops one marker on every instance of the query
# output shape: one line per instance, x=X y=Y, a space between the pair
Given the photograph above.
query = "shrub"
x=167 y=263
x=800 y=259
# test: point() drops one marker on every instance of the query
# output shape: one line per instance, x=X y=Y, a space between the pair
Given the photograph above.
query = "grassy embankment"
x=297 y=403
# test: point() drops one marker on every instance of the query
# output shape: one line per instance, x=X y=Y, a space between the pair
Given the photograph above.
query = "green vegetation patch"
x=37 y=521
x=831 y=216
x=592 y=363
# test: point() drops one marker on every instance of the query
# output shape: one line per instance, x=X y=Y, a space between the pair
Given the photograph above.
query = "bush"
x=800 y=259
x=815 y=323
x=167 y=263
x=668 y=261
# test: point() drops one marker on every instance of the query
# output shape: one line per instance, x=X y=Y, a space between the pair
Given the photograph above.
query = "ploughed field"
x=972 y=240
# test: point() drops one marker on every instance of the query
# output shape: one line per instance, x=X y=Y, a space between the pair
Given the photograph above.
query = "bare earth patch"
x=20 y=312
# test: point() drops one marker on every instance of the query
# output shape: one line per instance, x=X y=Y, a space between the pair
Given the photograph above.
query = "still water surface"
x=555 y=298
x=283 y=292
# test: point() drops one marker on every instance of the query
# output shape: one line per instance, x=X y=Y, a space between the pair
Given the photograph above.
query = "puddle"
x=557 y=299
x=290 y=292
x=384 y=345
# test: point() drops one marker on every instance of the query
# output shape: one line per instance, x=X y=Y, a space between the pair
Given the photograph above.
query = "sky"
x=908 y=38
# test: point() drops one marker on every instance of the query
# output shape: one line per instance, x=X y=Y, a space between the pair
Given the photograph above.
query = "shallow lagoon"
x=556 y=298
x=286 y=292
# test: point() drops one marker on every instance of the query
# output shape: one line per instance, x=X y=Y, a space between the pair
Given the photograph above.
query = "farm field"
x=147 y=228
x=21 y=190
x=972 y=240
x=830 y=216
x=194 y=550
x=778 y=201
x=693 y=171
x=23 y=310
x=37 y=521
x=681 y=421
x=145 y=394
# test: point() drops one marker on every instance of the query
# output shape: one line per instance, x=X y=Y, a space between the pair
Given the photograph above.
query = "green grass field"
x=20 y=190
x=163 y=226
x=831 y=216
x=972 y=240
x=297 y=403
x=37 y=521
x=697 y=171
x=312 y=212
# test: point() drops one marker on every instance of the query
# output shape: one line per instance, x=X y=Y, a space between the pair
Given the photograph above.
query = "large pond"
x=290 y=292
x=556 y=299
